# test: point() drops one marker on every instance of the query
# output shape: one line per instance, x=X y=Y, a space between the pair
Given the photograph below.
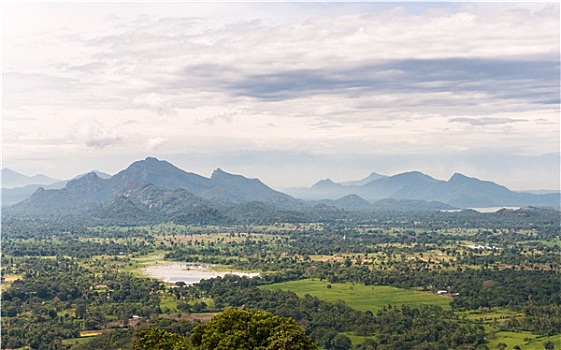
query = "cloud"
x=227 y=117
x=482 y=121
x=361 y=78
x=92 y=134
x=535 y=81
x=156 y=103
x=155 y=143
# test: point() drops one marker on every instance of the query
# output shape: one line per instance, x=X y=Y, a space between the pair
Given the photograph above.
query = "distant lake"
x=189 y=274
x=493 y=209
x=481 y=210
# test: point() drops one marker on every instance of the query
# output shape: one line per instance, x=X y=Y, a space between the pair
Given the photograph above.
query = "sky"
x=286 y=92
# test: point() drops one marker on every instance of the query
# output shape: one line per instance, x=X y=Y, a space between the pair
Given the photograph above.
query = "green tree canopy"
x=251 y=330
x=159 y=339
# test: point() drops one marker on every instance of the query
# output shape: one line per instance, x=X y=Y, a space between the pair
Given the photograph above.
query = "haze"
x=286 y=92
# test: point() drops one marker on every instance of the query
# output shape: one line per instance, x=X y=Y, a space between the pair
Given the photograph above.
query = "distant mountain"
x=373 y=176
x=148 y=203
x=400 y=186
x=11 y=179
x=459 y=191
x=353 y=202
x=350 y=202
x=17 y=194
x=239 y=189
x=162 y=174
x=100 y=174
x=323 y=189
x=540 y=191
x=152 y=190
x=150 y=186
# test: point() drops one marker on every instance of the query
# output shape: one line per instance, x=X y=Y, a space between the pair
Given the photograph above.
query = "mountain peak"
x=160 y=173
x=218 y=174
x=11 y=178
x=458 y=177
x=372 y=177
x=218 y=171
x=414 y=175
x=96 y=172
x=153 y=164
x=325 y=183
x=87 y=178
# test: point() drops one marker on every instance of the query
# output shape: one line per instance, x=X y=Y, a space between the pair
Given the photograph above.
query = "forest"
x=468 y=280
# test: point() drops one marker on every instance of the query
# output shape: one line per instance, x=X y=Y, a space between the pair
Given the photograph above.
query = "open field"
x=487 y=316
x=359 y=296
x=358 y=339
x=526 y=340
x=7 y=281
x=90 y=333
x=201 y=316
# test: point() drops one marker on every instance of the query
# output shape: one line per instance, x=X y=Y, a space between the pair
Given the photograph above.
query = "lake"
x=189 y=274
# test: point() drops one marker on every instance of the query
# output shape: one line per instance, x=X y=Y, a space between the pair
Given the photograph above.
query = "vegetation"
x=359 y=296
x=347 y=280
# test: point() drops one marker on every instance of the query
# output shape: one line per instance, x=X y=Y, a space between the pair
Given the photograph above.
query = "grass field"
x=136 y=264
x=361 y=297
x=526 y=340
x=358 y=339
x=168 y=301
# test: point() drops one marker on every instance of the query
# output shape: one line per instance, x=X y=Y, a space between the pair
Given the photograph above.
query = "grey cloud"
x=486 y=121
x=223 y=117
x=533 y=81
x=100 y=142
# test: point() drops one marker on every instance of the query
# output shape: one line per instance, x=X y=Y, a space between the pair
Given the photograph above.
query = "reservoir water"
x=189 y=274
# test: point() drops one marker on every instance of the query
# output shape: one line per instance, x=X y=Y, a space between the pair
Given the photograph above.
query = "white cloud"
x=155 y=143
x=330 y=78
x=93 y=134
x=155 y=103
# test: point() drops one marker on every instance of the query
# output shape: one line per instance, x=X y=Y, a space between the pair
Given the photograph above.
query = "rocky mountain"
x=239 y=189
x=161 y=174
x=148 y=203
x=100 y=174
x=150 y=186
x=153 y=190
x=459 y=191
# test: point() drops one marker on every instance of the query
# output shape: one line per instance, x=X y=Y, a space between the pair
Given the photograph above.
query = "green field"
x=526 y=340
x=359 y=296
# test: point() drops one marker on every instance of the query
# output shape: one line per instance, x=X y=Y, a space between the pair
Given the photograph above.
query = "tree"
x=246 y=329
x=548 y=345
x=159 y=339
x=341 y=342
x=368 y=344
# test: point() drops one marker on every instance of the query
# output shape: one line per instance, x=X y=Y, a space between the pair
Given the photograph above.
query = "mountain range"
x=11 y=179
x=152 y=186
x=153 y=189
x=459 y=191
x=16 y=187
